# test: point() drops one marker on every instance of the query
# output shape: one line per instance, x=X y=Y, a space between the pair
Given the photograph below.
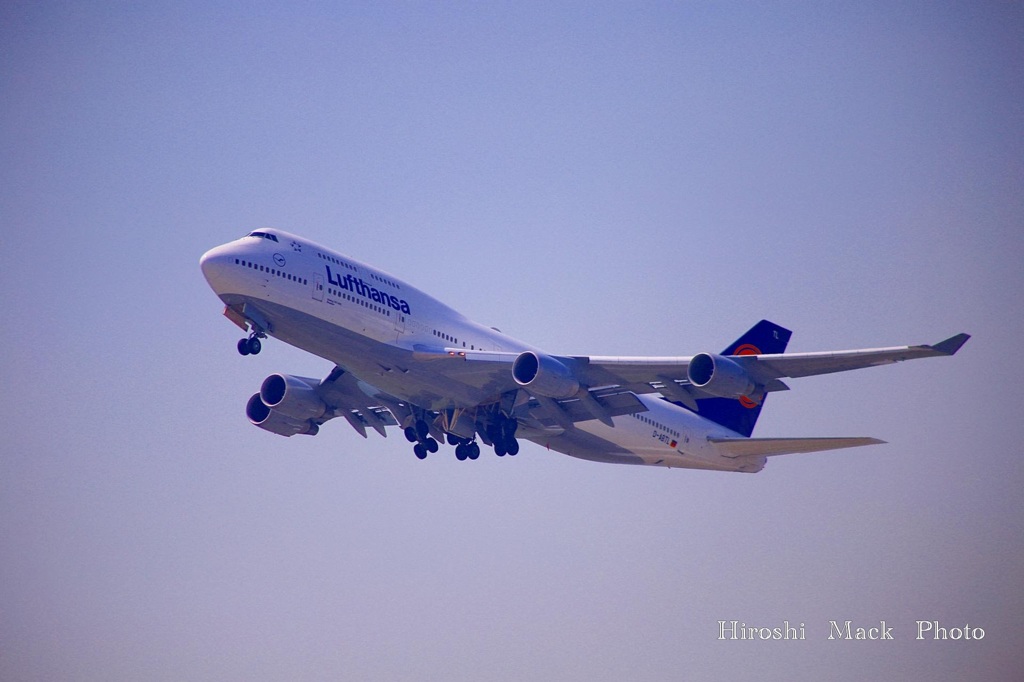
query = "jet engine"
x=286 y=405
x=293 y=397
x=544 y=375
x=720 y=376
x=276 y=422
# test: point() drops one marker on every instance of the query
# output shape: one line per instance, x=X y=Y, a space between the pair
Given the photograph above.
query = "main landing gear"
x=501 y=434
x=464 y=448
x=420 y=434
x=251 y=345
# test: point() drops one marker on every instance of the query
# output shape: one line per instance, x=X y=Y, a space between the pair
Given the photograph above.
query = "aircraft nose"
x=213 y=264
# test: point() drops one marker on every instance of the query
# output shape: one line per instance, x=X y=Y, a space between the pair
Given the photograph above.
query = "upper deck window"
x=265 y=235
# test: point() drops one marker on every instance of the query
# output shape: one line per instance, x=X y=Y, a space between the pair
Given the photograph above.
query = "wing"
x=671 y=376
x=808 y=364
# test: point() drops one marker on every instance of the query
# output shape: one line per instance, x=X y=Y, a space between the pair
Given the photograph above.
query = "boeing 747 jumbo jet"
x=405 y=359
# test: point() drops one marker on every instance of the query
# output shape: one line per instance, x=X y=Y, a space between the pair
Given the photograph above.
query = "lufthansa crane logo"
x=279 y=259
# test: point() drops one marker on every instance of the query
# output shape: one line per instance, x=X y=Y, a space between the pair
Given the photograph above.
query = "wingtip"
x=951 y=345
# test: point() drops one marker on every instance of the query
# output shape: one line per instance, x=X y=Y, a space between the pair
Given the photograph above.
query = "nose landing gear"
x=251 y=345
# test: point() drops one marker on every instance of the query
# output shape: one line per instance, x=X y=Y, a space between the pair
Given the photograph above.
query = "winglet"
x=952 y=344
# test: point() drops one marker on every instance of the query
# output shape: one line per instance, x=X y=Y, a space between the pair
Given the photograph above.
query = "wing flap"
x=342 y=393
x=769 y=447
x=566 y=412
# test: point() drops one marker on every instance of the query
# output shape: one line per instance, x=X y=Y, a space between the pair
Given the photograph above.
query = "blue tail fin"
x=740 y=415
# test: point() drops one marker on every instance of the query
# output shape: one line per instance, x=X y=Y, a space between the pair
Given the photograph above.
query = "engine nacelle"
x=720 y=376
x=293 y=397
x=544 y=375
x=275 y=422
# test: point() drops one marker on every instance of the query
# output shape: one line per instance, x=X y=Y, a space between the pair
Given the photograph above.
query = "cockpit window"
x=265 y=235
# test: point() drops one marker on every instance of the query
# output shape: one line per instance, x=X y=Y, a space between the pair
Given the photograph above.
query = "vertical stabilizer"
x=740 y=415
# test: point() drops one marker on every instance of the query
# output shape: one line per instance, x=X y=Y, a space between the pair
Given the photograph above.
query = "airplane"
x=403 y=358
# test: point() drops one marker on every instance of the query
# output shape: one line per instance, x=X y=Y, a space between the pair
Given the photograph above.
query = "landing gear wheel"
x=421 y=450
x=460 y=452
x=513 y=447
x=473 y=451
x=243 y=346
x=431 y=445
x=493 y=433
x=255 y=346
x=410 y=434
x=499 y=449
x=422 y=430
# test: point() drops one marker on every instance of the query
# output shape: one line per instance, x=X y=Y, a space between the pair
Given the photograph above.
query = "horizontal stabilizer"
x=767 y=447
x=951 y=345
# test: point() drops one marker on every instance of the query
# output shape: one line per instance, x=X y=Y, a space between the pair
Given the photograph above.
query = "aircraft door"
x=399 y=322
x=318 y=287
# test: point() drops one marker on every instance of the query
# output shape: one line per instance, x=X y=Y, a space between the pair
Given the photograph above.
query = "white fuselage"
x=380 y=329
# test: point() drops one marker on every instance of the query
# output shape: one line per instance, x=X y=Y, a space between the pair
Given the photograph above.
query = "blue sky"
x=642 y=178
